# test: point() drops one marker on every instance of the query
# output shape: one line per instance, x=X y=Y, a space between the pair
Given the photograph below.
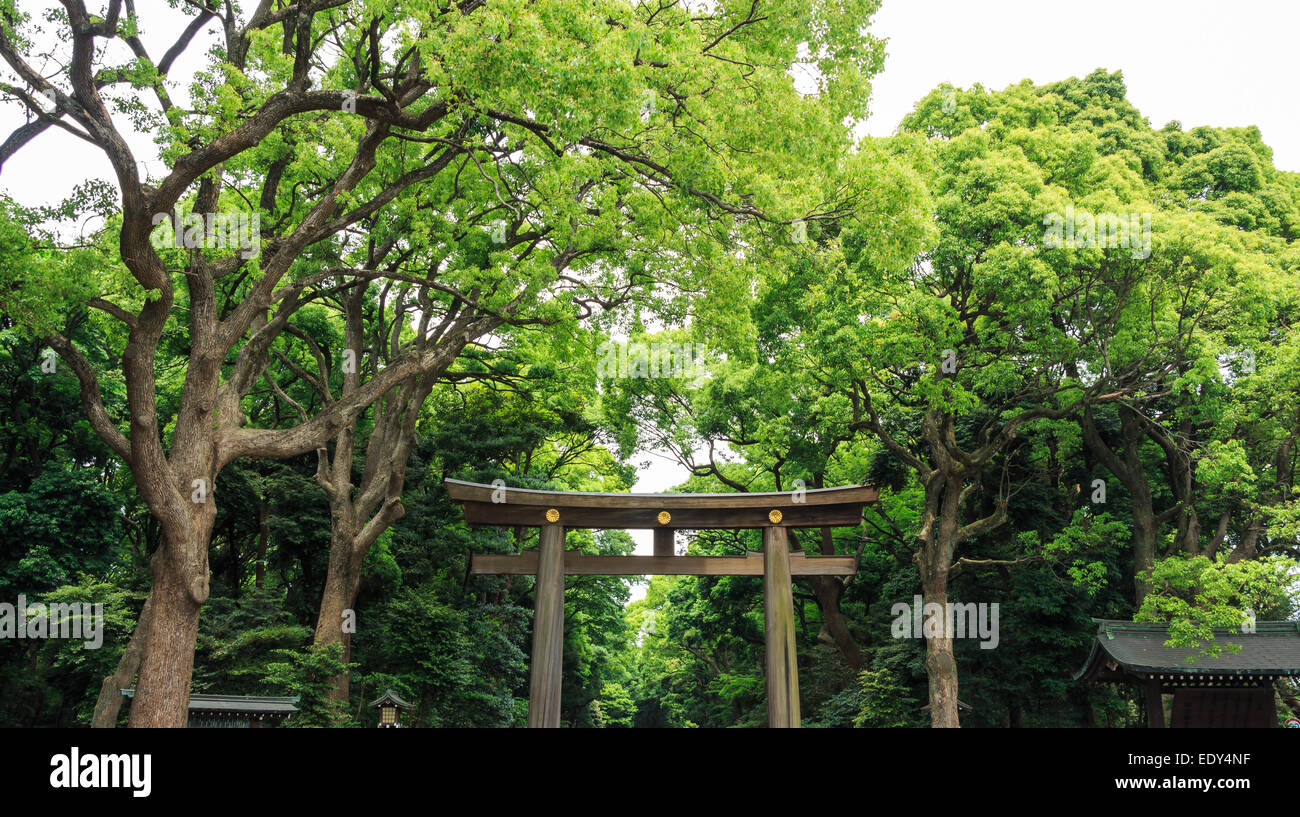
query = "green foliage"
x=1196 y=595
x=1076 y=547
x=59 y=679
x=308 y=674
x=885 y=703
x=828 y=350
x=614 y=708
x=66 y=524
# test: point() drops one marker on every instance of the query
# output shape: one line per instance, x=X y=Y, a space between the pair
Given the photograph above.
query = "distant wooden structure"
x=554 y=511
x=235 y=711
x=390 y=707
x=1234 y=690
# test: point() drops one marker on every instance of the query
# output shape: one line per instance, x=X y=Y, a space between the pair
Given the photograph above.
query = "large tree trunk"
x=1128 y=468
x=940 y=664
x=341 y=584
x=358 y=517
x=167 y=664
x=941 y=667
x=938 y=538
x=828 y=590
x=180 y=494
x=1144 y=550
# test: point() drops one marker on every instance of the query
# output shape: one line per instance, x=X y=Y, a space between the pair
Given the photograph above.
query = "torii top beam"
x=816 y=508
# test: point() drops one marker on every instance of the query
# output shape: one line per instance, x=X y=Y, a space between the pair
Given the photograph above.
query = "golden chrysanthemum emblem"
x=552 y=515
x=774 y=516
x=665 y=517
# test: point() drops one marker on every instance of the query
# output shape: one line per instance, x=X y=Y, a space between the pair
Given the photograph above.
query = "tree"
x=322 y=116
x=948 y=360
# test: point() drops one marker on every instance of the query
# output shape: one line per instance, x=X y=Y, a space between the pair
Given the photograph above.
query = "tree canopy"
x=400 y=241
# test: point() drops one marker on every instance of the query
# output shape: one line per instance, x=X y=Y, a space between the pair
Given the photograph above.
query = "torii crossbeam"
x=554 y=511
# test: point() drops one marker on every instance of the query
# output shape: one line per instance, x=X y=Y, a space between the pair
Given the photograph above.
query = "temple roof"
x=242 y=704
x=392 y=698
x=1126 y=650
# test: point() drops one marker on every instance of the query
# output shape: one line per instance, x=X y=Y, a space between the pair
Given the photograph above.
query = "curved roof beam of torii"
x=815 y=508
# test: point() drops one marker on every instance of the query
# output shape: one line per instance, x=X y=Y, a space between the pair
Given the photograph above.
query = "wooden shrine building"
x=554 y=511
x=1231 y=690
x=235 y=711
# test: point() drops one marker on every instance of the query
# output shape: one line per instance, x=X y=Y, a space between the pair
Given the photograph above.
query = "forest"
x=387 y=243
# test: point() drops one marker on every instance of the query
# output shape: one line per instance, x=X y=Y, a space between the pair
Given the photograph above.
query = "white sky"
x=1201 y=62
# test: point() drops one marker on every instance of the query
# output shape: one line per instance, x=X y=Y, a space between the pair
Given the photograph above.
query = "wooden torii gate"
x=554 y=511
